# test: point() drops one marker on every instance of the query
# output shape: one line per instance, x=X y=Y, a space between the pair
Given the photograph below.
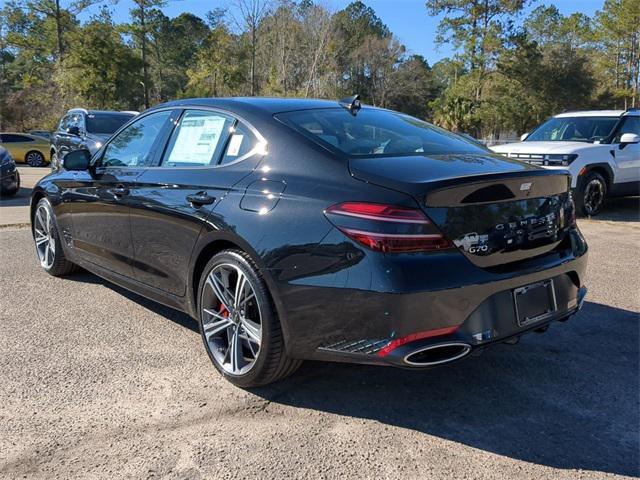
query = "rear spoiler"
x=496 y=188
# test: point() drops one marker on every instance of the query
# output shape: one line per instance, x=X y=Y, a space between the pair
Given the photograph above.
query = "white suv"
x=600 y=148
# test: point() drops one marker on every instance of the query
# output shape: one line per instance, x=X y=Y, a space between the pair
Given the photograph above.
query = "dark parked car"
x=309 y=229
x=9 y=175
x=84 y=129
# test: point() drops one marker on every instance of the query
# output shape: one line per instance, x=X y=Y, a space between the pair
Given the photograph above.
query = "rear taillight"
x=387 y=228
x=378 y=211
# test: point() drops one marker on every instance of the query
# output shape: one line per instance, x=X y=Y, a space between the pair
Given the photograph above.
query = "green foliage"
x=86 y=75
x=507 y=74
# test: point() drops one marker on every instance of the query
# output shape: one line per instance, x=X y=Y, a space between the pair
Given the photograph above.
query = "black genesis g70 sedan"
x=310 y=229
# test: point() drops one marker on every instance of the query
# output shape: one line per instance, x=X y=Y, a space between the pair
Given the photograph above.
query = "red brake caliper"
x=223 y=311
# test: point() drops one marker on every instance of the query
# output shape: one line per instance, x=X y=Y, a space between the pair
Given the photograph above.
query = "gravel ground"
x=96 y=382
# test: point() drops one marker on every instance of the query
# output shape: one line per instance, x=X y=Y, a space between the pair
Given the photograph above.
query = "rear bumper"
x=329 y=318
x=482 y=329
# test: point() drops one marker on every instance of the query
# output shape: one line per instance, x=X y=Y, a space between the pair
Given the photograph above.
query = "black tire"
x=591 y=194
x=59 y=266
x=34 y=159
x=271 y=363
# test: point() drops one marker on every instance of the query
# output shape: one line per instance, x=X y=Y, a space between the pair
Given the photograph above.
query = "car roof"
x=265 y=105
x=101 y=112
x=592 y=113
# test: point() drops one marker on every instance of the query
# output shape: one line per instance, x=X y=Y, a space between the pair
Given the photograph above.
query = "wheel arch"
x=603 y=169
x=215 y=242
x=35 y=198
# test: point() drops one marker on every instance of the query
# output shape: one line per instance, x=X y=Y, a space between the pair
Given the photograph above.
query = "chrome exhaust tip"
x=438 y=354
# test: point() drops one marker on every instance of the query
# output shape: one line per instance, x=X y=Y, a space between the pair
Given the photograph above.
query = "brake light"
x=377 y=211
x=387 y=228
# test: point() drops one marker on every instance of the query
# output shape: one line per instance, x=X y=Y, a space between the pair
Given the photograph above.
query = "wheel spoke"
x=52 y=246
x=214 y=328
x=250 y=346
x=214 y=314
x=237 y=358
x=41 y=240
x=246 y=299
x=220 y=291
x=46 y=254
x=253 y=330
x=241 y=283
x=40 y=219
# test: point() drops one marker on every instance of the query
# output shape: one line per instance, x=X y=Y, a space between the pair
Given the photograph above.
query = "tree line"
x=508 y=73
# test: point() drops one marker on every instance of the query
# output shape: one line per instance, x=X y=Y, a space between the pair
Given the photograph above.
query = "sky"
x=407 y=19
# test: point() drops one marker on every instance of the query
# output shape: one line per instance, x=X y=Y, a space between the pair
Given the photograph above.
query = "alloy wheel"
x=593 y=196
x=45 y=243
x=35 y=159
x=231 y=319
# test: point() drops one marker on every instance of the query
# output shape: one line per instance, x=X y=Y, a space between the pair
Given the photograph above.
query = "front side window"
x=75 y=120
x=376 y=133
x=106 y=123
x=574 y=129
x=64 y=123
x=198 y=140
x=630 y=125
x=133 y=146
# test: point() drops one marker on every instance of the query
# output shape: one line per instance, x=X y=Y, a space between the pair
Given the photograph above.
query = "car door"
x=101 y=204
x=171 y=201
x=627 y=157
x=12 y=144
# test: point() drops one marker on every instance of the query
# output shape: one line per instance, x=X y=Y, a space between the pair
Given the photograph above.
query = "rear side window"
x=241 y=143
x=64 y=123
x=134 y=146
x=198 y=140
x=106 y=123
x=11 y=138
x=376 y=133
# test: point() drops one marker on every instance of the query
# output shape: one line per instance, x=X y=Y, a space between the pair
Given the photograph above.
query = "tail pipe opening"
x=438 y=354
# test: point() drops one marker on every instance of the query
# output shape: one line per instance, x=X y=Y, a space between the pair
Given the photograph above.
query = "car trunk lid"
x=493 y=209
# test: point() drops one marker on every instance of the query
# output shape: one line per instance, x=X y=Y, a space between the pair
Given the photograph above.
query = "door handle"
x=200 y=198
x=120 y=190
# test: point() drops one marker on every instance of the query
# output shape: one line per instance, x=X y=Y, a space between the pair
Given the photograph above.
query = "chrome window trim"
x=262 y=142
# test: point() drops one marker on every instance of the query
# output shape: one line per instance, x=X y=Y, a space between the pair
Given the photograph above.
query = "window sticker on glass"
x=197 y=140
x=234 y=145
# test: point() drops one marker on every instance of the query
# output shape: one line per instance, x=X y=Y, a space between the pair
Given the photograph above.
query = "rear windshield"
x=376 y=133
x=574 y=129
x=106 y=123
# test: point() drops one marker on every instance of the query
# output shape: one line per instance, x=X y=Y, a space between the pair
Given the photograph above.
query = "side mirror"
x=73 y=130
x=524 y=136
x=627 y=138
x=77 y=160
